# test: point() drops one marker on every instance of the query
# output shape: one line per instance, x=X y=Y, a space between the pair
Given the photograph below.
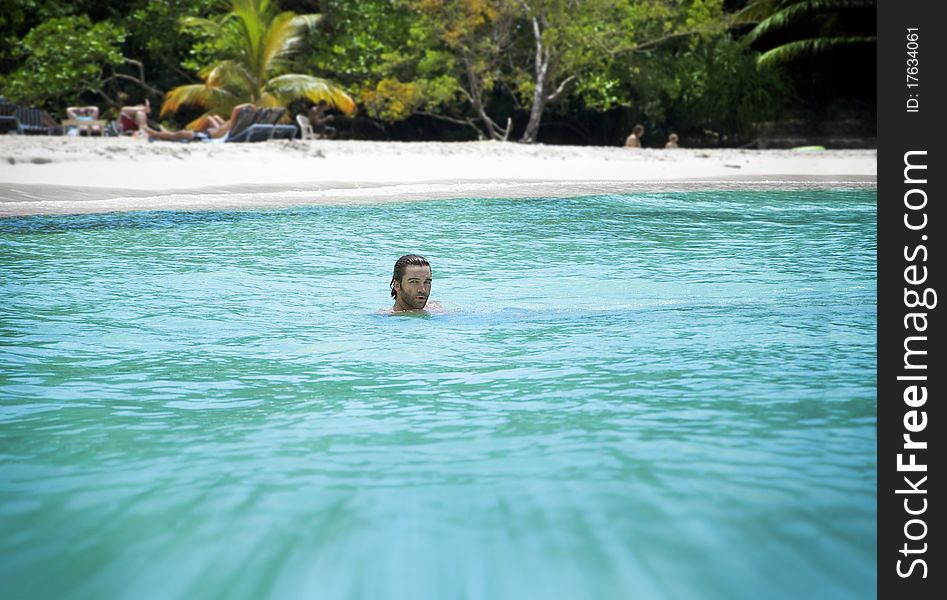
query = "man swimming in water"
x=411 y=285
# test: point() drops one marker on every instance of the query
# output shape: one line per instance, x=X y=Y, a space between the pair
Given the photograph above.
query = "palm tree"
x=789 y=30
x=264 y=38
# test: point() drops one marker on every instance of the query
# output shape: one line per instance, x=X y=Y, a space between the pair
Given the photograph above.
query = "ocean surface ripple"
x=667 y=395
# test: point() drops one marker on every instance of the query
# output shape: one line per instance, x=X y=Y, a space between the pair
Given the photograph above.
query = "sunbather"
x=128 y=116
x=85 y=113
x=216 y=127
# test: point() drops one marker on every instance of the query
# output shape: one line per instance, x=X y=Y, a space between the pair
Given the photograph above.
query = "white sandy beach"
x=67 y=175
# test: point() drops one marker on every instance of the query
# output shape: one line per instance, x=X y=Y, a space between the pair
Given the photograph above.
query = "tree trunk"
x=535 y=113
x=539 y=91
x=476 y=98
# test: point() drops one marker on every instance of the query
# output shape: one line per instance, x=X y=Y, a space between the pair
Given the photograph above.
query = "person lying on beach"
x=411 y=286
x=634 y=138
x=85 y=113
x=214 y=127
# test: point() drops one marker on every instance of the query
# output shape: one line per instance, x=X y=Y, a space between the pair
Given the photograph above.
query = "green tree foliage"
x=151 y=48
x=16 y=20
x=360 y=41
x=480 y=62
x=158 y=54
x=257 y=40
x=367 y=47
x=63 y=58
x=18 y=17
x=712 y=89
x=465 y=44
x=570 y=44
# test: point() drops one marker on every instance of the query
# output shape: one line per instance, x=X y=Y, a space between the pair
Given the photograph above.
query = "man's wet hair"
x=402 y=264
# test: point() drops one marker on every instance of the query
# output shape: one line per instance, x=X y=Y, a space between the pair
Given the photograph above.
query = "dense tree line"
x=568 y=71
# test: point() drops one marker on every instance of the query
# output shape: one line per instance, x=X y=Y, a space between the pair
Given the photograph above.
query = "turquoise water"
x=644 y=396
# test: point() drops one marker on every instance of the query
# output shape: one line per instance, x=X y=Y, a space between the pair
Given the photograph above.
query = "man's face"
x=414 y=288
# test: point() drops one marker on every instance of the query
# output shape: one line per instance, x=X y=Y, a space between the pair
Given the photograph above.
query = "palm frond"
x=207 y=25
x=249 y=47
x=807 y=48
x=196 y=94
x=800 y=12
x=300 y=26
x=264 y=38
x=232 y=75
x=314 y=89
x=306 y=23
x=269 y=100
x=755 y=12
x=277 y=41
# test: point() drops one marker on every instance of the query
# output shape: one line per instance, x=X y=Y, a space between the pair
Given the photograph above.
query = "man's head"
x=638 y=130
x=411 y=282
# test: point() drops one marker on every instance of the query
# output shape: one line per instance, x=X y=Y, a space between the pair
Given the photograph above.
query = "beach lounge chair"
x=282 y=131
x=264 y=127
x=305 y=127
x=9 y=124
x=240 y=129
x=285 y=131
x=88 y=125
x=8 y=121
x=83 y=120
x=36 y=121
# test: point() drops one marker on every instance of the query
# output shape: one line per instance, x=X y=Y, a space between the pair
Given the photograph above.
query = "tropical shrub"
x=256 y=40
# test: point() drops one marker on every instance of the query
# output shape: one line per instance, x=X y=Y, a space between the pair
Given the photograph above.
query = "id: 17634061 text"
x=912 y=70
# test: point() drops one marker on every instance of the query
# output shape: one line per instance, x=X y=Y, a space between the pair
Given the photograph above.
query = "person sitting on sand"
x=85 y=113
x=411 y=285
x=215 y=127
x=128 y=118
x=634 y=138
x=320 y=121
x=672 y=141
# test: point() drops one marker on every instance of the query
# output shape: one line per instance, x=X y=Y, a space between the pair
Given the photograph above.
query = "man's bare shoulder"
x=431 y=308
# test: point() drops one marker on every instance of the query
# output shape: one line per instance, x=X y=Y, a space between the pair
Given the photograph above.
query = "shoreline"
x=60 y=176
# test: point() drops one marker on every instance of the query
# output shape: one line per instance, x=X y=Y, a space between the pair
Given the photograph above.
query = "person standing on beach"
x=411 y=285
x=634 y=138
